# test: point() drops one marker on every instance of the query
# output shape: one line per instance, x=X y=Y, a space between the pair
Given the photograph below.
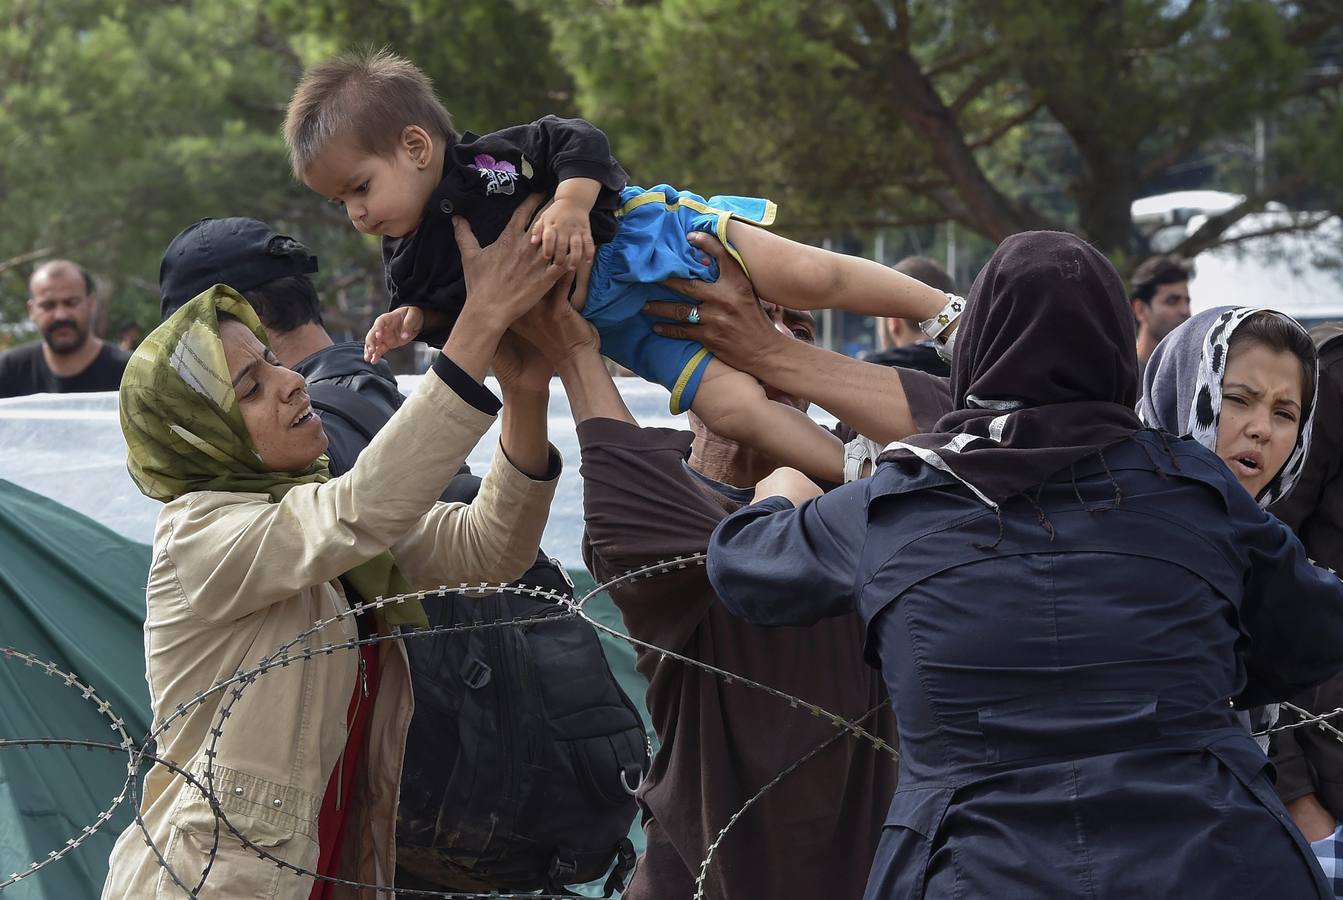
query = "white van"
x=1299 y=272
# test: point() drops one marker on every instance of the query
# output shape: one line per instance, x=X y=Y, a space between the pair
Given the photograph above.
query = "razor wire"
x=126 y=745
x=233 y=688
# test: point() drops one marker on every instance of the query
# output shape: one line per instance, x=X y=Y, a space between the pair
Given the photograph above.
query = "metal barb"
x=229 y=691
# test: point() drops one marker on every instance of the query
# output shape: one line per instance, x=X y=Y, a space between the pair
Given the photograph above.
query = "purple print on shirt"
x=500 y=175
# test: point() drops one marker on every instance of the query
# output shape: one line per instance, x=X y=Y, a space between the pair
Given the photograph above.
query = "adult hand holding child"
x=732 y=322
x=756 y=336
x=496 y=293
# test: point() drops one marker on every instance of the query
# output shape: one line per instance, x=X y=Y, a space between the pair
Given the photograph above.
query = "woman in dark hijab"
x=1062 y=604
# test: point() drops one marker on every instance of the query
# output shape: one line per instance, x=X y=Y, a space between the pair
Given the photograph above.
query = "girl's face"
x=1261 y=413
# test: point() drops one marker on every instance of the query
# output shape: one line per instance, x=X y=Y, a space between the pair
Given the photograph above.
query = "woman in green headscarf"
x=255 y=544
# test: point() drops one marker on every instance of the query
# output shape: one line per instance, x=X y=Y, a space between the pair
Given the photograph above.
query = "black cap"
x=238 y=252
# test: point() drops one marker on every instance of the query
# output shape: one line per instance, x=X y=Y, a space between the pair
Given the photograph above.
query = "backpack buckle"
x=563 y=871
x=476 y=673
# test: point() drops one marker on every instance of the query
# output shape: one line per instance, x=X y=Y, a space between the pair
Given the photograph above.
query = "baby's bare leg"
x=802 y=277
x=733 y=405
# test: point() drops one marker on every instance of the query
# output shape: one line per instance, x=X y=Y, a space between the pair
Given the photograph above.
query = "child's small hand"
x=391 y=330
x=565 y=233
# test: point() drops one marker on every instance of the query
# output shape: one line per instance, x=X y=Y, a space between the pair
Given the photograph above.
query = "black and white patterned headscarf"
x=1182 y=388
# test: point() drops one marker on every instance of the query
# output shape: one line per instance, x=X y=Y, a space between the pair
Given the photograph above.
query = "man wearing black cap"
x=271 y=270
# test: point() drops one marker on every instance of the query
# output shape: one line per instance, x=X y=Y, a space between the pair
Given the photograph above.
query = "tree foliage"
x=1001 y=115
x=120 y=122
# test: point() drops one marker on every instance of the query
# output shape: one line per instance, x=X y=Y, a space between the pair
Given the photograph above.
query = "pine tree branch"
x=973 y=90
x=956 y=61
x=912 y=98
x=24 y=258
x=1295 y=228
x=1007 y=125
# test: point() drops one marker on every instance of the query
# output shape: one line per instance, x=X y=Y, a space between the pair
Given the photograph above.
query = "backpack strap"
x=619 y=878
x=564 y=867
x=358 y=411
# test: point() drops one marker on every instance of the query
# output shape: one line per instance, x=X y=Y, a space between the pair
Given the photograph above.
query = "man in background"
x=1159 y=291
x=900 y=342
x=69 y=358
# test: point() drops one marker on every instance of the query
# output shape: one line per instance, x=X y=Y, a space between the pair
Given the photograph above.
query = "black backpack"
x=524 y=752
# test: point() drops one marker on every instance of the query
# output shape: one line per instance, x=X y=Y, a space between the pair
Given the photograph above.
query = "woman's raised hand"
x=503 y=281
x=555 y=328
x=508 y=277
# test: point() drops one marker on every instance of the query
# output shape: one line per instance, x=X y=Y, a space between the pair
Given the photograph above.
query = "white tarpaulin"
x=69 y=447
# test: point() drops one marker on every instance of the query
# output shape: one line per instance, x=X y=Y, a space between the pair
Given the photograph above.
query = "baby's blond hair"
x=369 y=96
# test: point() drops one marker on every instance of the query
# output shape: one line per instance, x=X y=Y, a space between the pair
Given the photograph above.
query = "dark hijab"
x=1045 y=371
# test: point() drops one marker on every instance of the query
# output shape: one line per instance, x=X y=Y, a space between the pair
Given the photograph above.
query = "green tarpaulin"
x=72 y=593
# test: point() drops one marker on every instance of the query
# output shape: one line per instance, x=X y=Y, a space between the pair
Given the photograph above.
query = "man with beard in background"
x=69 y=358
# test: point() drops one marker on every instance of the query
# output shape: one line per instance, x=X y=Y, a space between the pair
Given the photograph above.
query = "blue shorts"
x=650 y=245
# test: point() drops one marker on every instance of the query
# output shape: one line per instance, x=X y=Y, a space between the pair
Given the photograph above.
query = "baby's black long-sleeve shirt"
x=484 y=180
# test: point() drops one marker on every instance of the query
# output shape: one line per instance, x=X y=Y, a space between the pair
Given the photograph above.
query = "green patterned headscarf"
x=184 y=430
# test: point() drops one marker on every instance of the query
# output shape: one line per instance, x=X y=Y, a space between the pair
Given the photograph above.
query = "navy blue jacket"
x=1064 y=699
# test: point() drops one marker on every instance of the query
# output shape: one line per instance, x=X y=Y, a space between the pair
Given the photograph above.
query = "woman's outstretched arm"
x=882 y=403
x=234 y=556
x=791 y=557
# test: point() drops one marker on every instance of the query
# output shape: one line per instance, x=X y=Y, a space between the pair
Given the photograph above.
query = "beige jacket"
x=234 y=577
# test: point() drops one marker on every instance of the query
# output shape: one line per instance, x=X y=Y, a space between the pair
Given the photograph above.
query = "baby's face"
x=383 y=195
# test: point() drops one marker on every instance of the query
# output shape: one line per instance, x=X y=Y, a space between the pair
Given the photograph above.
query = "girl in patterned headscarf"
x=1241 y=381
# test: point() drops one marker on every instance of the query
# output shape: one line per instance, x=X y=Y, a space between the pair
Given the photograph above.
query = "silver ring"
x=693 y=318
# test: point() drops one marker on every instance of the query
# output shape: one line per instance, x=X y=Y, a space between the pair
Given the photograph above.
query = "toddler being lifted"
x=367 y=131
